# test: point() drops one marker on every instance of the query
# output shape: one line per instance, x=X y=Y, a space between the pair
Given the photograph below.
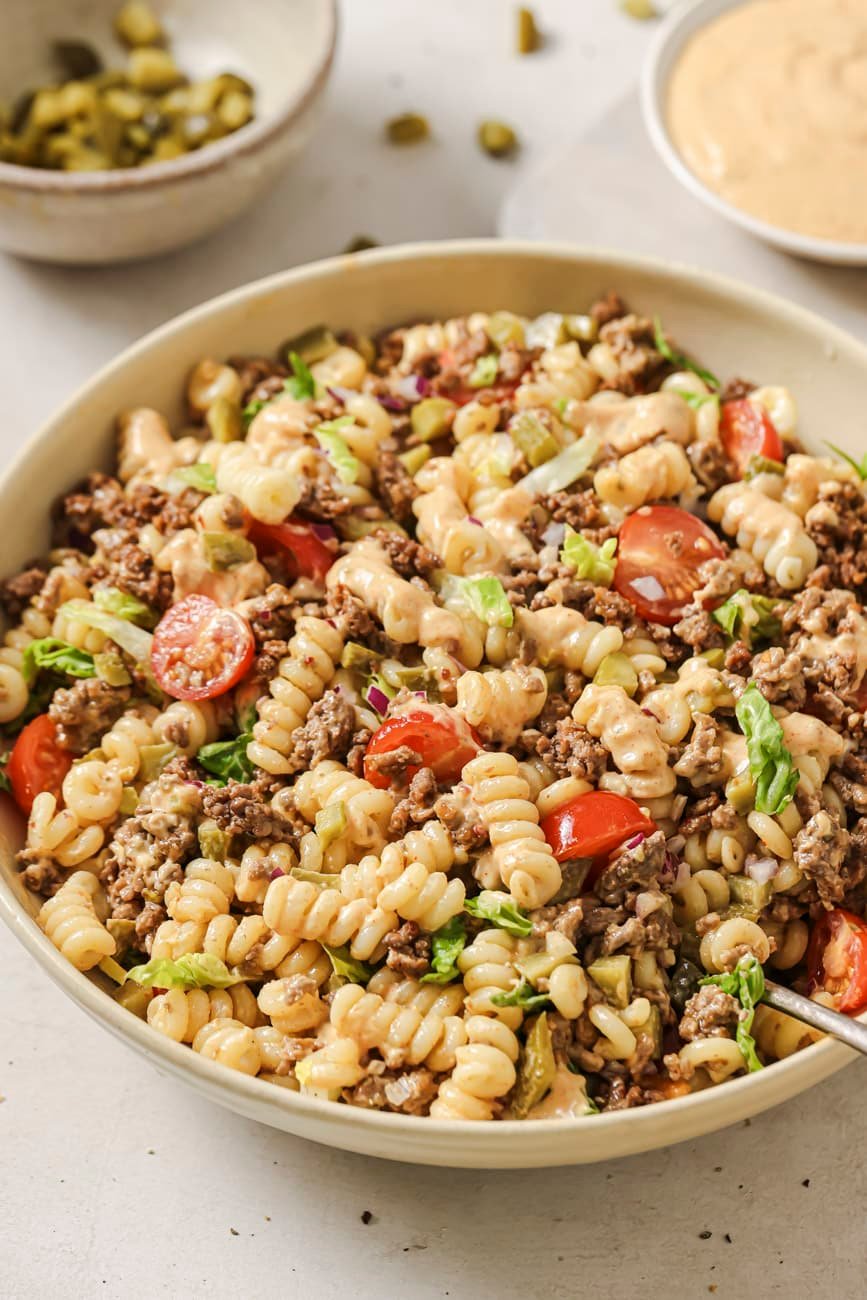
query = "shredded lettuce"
x=860 y=466
x=563 y=469
x=484 y=372
x=501 y=910
x=301 y=385
x=200 y=476
x=195 y=970
x=746 y=983
x=114 y=601
x=251 y=410
x=771 y=766
x=134 y=640
x=524 y=996
x=346 y=968
x=698 y=400
x=745 y=616
x=595 y=563
x=334 y=445
x=57 y=656
x=484 y=597
x=227 y=759
x=447 y=944
x=662 y=345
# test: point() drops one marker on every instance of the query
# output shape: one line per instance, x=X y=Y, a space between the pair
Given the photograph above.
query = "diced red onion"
x=342 y=395
x=391 y=403
x=413 y=387
x=554 y=534
x=761 y=870
x=324 y=532
x=377 y=699
x=634 y=840
x=647 y=903
x=277 y=871
x=473 y=520
x=420 y=695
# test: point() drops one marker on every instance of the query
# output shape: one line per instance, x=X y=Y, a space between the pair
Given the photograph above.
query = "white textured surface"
x=116 y=1181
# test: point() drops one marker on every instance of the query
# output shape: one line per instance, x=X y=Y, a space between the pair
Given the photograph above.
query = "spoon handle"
x=849 y=1031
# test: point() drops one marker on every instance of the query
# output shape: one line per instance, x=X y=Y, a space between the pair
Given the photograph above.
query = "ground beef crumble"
x=82 y=712
x=408 y=558
x=820 y=852
x=709 y=1013
x=409 y=950
x=409 y=1093
x=639 y=866
x=417 y=805
x=327 y=733
x=572 y=751
x=640 y=365
x=245 y=809
x=271 y=615
x=395 y=487
x=17 y=592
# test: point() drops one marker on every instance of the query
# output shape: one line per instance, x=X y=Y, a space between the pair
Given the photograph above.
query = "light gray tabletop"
x=116 y=1181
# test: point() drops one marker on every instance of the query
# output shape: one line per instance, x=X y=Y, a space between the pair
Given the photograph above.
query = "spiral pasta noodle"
x=302 y=676
x=70 y=921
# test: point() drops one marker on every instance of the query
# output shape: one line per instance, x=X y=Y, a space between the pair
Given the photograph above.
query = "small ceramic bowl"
x=724 y=322
x=284 y=48
x=682 y=23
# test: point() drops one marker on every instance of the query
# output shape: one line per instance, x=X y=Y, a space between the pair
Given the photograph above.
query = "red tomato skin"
x=193 y=633
x=644 y=553
x=445 y=742
x=295 y=537
x=746 y=430
x=592 y=824
x=37 y=763
x=854 y=997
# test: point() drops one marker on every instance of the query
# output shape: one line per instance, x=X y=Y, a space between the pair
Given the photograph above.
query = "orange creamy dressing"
x=768 y=106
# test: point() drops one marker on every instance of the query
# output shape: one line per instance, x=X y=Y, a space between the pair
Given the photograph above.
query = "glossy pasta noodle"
x=398 y=731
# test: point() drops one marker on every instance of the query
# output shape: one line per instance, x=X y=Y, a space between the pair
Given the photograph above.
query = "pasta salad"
x=455 y=722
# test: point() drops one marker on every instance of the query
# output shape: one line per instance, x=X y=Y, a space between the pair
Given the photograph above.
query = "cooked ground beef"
x=702 y=759
x=417 y=805
x=564 y=917
x=572 y=751
x=838 y=526
x=267 y=662
x=654 y=934
x=357 y=751
x=351 y=616
x=697 y=629
x=326 y=733
x=709 y=1013
x=636 y=867
x=409 y=950
x=640 y=365
x=41 y=875
x=395 y=487
x=102 y=502
x=320 y=498
x=697 y=814
x=271 y=615
x=710 y=464
x=132 y=569
x=779 y=675
x=393 y=763
x=242 y=809
x=734 y=389
x=463 y=819
x=410 y=1093
x=820 y=851
x=738 y=657
x=408 y=558
x=579 y=509
x=608 y=308
x=83 y=711
x=17 y=592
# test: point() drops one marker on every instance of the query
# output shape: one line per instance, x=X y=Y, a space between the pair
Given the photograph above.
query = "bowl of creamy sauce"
x=759 y=107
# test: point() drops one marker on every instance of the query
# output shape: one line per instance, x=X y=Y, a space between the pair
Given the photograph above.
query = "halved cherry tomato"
x=296 y=538
x=444 y=741
x=37 y=762
x=461 y=393
x=659 y=550
x=837 y=958
x=746 y=430
x=200 y=649
x=592 y=824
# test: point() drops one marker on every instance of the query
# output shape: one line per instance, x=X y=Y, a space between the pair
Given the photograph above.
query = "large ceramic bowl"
x=283 y=47
x=735 y=329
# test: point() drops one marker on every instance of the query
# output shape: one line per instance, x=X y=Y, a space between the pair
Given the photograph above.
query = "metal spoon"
x=849 y=1031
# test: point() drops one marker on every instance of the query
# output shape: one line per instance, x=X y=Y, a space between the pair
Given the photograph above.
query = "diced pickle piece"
x=533 y=439
x=223 y=418
x=413 y=459
x=152 y=69
x=136 y=24
x=497 y=139
x=431 y=418
x=504 y=327
x=134 y=997
x=313 y=345
x=617 y=670
x=408 y=128
x=528 y=33
x=537 y=1068
x=613 y=975
x=750 y=892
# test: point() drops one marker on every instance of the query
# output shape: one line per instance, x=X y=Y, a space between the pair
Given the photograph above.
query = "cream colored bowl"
x=734 y=329
x=283 y=47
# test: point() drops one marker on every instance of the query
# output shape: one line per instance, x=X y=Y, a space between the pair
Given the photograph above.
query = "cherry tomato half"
x=295 y=538
x=659 y=550
x=837 y=958
x=37 y=762
x=592 y=824
x=443 y=739
x=746 y=430
x=200 y=649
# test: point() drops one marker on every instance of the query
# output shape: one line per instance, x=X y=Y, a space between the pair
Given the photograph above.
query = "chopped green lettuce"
x=523 y=995
x=860 y=466
x=131 y=638
x=346 y=968
x=746 y=983
x=334 y=445
x=595 y=563
x=447 y=944
x=771 y=766
x=195 y=970
x=301 y=385
x=120 y=603
x=484 y=372
x=501 y=910
x=563 y=469
x=748 y=617
x=56 y=656
x=227 y=759
x=200 y=476
x=485 y=597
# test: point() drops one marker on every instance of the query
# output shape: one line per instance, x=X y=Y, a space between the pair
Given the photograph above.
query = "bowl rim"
x=246 y=141
x=682 y=22
x=488 y=1139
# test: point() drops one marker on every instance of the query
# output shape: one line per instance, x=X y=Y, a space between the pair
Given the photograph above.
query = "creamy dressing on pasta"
x=183 y=558
x=566 y=1098
x=628 y=424
x=767 y=105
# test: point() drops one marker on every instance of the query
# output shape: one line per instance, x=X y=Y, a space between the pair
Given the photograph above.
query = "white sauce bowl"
x=683 y=22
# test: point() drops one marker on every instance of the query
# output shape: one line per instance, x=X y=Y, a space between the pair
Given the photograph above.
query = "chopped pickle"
x=613 y=975
x=135 y=23
x=413 y=459
x=504 y=327
x=497 y=139
x=113 y=970
x=322 y=879
x=128 y=801
x=740 y=910
x=750 y=892
x=356 y=655
x=431 y=418
x=313 y=345
x=153 y=759
x=134 y=998
x=584 y=329
x=351 y=528
x=716 y=657
x=213 y=841
x=652 y=1027
x=408 y=128
x=153 y=69
x=226 y=551
x=123 y=933
x=223 y=418
x=528 y=33
x=763 y=465
x=540 y=965
x=395 y=674
x=740 y=792
x=641 y=9
x=617 y=669
x=537 y=1068
x=530 y=436
x=331 y=822
x=110 y=668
